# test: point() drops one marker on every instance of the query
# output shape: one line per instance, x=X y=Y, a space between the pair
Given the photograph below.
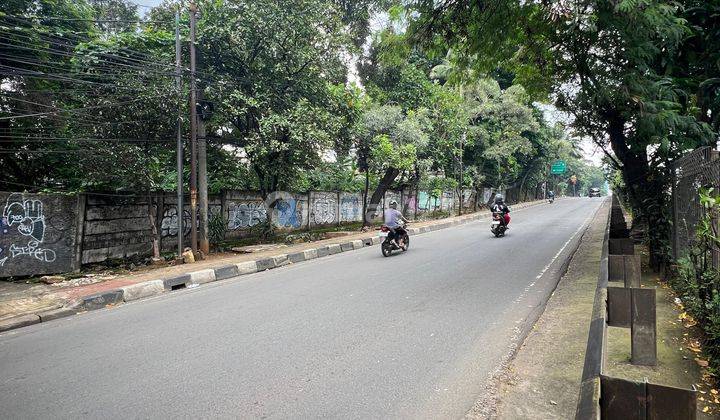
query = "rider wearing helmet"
x=501 y=207
x=392 y=219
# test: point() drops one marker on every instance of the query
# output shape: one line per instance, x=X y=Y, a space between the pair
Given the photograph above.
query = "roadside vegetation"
x=297 y=96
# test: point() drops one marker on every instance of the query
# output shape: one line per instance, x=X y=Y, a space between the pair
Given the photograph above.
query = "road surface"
x=353 y=335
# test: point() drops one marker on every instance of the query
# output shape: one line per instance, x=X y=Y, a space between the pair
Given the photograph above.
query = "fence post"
x=79 y=231
x=642 y=327
x=337 y=208
x=159 y=205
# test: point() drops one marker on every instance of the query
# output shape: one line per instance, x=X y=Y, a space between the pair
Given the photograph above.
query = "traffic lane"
x=268 y=336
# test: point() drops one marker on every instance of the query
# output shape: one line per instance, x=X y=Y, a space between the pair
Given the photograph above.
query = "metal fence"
x=697 y=169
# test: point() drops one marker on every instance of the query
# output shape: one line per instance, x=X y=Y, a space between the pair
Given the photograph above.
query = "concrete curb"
x=193 y=279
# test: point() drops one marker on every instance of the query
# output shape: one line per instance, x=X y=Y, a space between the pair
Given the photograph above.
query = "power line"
x=34 y=34
x=41 y=139
x=37 y=114
x=38 y=187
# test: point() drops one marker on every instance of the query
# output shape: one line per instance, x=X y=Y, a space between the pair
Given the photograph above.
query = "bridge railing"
x=629 y=306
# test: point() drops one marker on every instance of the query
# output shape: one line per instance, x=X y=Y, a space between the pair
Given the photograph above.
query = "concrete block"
x=621 y=246
x=413 y=231
x=426 y=229
x=357 y=244
x=632 y=270
x=176 y=282
x=334 y=249
x=265 y=264
x=56 y=314
x=643 y=333
x=247 y=267
x=202 y=276
x=280 y=260
x=100 y=300
x=18 y=322
x=619 y=301
x=296 y=257
x=142 y=290
x=376 y=240
x=666 y=402
x=322 y=252
x=347 y=246
x=226 y=272
x=310 y=254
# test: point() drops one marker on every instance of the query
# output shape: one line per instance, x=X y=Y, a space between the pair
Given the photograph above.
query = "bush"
x=697 y=280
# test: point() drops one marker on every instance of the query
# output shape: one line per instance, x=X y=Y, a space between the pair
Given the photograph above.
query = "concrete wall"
x=92 y=228
x=351 y=207
x=324 y=208
x=243 y=211
x=116 y=227
x=38 y=234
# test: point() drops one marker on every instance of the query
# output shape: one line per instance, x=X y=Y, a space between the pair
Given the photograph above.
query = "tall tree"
x=606 y=62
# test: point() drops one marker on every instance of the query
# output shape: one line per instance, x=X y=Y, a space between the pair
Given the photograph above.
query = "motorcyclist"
x=501 y=207
x=551 y=195
x=392 y=221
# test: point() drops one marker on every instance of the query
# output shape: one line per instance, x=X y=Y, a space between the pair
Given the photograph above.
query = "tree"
x=267 y=67
x=620 y=91
x=389 y=142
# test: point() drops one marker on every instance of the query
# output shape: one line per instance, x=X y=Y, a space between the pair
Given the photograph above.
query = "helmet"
x=393 y=204
x=499 y=199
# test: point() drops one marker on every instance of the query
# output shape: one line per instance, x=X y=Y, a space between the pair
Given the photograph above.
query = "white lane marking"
x=547 y=267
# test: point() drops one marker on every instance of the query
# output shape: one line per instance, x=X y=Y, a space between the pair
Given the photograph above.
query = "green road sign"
x=558 y=167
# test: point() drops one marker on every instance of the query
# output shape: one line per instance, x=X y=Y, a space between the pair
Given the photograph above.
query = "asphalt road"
x=353 y=335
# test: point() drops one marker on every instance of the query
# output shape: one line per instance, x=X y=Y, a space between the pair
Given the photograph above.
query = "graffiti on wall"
x=409 y=205
x=169 y=223
x=324 y=208
x=427 y=202
x=28 y=217
x=349 y=209
x=289 y=213
x=448 y=200
x=487 y=194
x=244 y=215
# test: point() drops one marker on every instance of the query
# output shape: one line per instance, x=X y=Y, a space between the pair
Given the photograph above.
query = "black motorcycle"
x=401 y=237
x=498 y=226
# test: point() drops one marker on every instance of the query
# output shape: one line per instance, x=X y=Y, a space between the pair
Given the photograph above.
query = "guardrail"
x=629 y=306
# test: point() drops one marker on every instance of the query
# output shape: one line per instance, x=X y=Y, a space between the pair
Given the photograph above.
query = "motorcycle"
x=551 y=199
x=402 y=237
x=498 y=226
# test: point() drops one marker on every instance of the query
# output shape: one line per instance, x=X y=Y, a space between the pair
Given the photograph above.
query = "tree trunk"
x=379 y=193
x=365 y=196
x=645 y=193
x=153 y=227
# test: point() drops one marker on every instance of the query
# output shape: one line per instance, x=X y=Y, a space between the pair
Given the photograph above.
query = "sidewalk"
x=22 y=305
x=542 y=382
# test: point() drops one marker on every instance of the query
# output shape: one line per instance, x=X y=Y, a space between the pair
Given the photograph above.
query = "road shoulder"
x=542 y=380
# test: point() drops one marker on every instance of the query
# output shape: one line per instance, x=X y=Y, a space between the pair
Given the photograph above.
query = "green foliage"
x=635 y=75
x=217 y=225
x=697 y=280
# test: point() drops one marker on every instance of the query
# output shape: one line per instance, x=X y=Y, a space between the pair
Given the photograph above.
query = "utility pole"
x=462 y=192
x=202 y=180
x=193 y=135
x=178 y=85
